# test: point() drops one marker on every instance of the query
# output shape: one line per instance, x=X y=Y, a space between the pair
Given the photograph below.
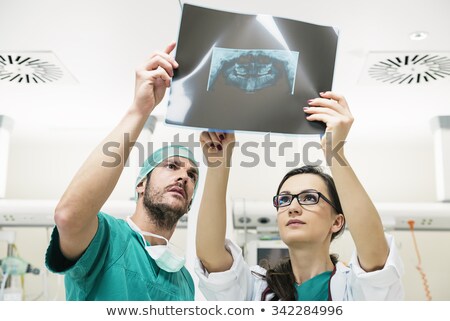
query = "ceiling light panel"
x=406 y=68
x=32 y=68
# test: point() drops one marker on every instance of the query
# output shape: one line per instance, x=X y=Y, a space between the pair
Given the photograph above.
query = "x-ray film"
x=252 y=70
x=252 y=73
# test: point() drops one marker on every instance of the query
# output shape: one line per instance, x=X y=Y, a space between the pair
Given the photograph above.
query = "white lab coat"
x=349 y=283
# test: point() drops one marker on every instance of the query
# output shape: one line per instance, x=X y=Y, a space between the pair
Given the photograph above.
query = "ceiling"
x=101 y=42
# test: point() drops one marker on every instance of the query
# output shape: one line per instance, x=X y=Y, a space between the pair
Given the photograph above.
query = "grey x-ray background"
x=252 y=73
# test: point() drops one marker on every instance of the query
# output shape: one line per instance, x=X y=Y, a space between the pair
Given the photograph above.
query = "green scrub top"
x=315 y=289
x=116 y=267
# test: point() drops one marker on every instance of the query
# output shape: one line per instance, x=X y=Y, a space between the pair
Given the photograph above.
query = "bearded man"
x=105 y=258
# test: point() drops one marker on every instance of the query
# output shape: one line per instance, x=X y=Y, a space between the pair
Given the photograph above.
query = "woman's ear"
x=339 y=221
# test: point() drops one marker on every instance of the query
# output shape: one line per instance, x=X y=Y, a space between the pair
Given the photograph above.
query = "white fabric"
x=350 y=283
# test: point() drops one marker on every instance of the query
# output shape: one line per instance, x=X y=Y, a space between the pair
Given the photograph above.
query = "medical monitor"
x=271 y=250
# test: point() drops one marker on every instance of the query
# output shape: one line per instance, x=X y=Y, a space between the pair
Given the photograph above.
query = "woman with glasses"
x=312 y=209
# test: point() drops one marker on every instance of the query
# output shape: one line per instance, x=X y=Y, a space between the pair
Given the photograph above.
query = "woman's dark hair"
x=280 y=278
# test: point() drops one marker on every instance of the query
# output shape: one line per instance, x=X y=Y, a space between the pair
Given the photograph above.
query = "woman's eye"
x=283 y=199
x=310 y=198
x=171 y=166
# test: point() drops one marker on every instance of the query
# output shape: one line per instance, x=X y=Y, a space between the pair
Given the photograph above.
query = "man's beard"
x=162 y=215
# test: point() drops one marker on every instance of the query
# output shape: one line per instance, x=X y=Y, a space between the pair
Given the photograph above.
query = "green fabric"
x=315 y=289
x=116 y=266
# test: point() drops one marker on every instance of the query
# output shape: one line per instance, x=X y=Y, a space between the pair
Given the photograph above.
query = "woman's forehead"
x=300 y=182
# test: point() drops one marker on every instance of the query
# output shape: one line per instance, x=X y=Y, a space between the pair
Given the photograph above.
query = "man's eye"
x=171 y=166
x=192 y=176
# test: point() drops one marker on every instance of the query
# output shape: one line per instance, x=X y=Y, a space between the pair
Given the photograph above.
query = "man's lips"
x=178 y=190
x=295 y=222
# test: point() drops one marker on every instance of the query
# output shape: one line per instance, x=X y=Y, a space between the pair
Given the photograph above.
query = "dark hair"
x=280 y=278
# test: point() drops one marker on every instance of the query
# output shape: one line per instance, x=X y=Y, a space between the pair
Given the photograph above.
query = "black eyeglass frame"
x=295 y=196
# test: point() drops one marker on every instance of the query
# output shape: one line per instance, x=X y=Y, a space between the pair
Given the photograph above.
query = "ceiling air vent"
x=37 y=67
x=407 y=68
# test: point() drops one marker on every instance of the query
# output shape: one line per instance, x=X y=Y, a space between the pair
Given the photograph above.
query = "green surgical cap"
x=161 y=154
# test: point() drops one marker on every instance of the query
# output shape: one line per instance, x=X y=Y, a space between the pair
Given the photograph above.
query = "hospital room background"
x=399 y=144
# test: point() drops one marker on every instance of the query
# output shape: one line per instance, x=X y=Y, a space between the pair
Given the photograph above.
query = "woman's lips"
x=295 y=222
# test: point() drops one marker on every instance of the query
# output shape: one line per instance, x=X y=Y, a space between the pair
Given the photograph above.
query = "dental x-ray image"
x=242 y=72
x=252 y=70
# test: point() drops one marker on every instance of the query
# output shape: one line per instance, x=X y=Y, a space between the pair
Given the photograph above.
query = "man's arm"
x=76 y=212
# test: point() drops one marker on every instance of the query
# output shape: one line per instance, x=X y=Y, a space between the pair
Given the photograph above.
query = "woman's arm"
x=361 y=215
x=211 y=223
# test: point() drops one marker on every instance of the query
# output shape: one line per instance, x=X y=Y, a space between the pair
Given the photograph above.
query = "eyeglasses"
x=311 y=197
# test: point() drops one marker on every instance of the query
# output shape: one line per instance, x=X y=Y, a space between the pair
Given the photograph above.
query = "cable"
x=2 y=287
x=419 y=264
x=181 y=5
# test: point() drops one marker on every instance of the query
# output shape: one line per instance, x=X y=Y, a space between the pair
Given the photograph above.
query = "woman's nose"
x=295 y=208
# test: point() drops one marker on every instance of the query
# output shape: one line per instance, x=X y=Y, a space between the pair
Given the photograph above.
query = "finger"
x=158 y=74
x=321 y=110
x=229 y=136
x=170 y=47
x=168 y=50
x=165 y=56
x=335 y=96
x=326 y=103
x=222 y=136
x=215 y=136
x=215 y=140
x=206 y=139
x=225 y=138
x=325 y=118
x=158 y=61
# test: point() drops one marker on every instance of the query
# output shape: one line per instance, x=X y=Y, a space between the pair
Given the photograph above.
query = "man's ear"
x=140 y=188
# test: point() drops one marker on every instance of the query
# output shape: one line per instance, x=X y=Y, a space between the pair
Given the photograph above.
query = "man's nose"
x=183 y=176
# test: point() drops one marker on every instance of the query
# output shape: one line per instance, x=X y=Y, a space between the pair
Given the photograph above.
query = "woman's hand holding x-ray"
x=332 y=109
x=217 y=148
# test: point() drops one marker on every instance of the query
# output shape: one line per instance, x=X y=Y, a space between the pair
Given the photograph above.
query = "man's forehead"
x=182 y=161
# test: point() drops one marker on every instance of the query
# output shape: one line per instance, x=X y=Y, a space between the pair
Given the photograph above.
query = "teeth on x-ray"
x=252 y=70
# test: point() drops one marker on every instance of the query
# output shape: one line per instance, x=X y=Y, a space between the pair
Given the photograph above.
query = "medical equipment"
x=419 y=263
x=440 y=126
x=39 y=213
x=271 y=250
x=13 y=265
x=13 y=268
x=6 y=126
x=433 y=216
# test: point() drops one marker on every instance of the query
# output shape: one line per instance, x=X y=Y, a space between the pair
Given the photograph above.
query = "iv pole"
x=9 y=237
